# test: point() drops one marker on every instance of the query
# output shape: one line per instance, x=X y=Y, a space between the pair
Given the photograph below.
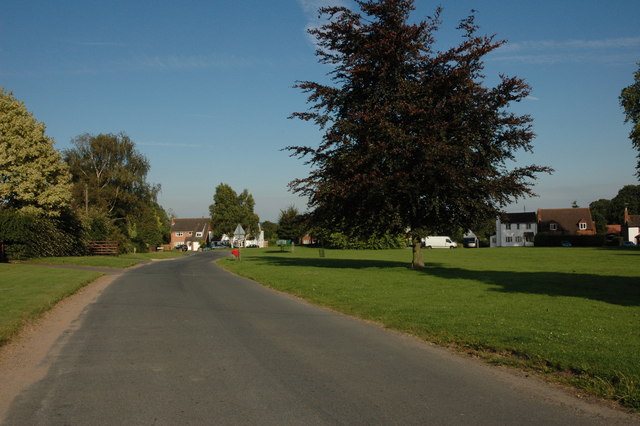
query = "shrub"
x=338 y=240
x=28 y=235
x=545 y=240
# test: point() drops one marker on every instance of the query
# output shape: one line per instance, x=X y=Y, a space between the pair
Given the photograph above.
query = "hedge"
x=545 y=240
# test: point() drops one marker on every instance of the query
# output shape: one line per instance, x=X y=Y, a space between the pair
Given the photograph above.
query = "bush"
x=338 y=240
x=28 y=235
x=545 y=240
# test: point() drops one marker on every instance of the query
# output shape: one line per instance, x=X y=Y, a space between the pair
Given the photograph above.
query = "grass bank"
x=27 y=291
x=570 y=313
x=121 y=261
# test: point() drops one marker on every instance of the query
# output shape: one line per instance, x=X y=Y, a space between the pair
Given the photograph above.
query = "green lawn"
x=571 y=313
x=121 y=261
x=27 y=291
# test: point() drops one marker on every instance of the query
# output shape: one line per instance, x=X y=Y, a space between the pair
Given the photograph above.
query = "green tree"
x=601 y=214
x=230 y=209
x=412 y=138
x=290 y=224
x=33 y=177
x=270 y=230
x=630 y=102
x=627 y=197
x=110 y=183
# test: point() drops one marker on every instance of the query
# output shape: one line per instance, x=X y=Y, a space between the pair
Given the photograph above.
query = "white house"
x=631 y=227
x=515 y=230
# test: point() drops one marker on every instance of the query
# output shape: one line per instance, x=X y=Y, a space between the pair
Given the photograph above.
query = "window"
x=518 y=239
x=190 y=233
x=198 y=234
x=509 y=239
x=178 y=234
x=583 y=226
x=553 y=226
x=518 y=226
x=508 y=225
x=528 y=226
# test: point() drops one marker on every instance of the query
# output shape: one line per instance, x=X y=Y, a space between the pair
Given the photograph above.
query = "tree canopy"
x=33 y=177
x=111 y=191
x=230 y=209
x=290 y=224
x=630 y=101
x=412 y=138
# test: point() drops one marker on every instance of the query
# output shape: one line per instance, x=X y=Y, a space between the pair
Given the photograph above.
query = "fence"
x=103 y=247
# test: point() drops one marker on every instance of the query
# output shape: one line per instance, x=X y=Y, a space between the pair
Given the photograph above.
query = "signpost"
x=238 y=235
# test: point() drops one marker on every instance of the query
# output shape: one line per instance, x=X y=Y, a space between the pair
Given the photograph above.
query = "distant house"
x=515 y=230
x=190 y=233
x=570 y=221
x=631 y=227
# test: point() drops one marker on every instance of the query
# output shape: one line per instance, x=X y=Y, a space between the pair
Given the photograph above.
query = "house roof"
x=614 y=229
x=634 y=220
x=568 y=219
x=525 y=217
x=190 y=225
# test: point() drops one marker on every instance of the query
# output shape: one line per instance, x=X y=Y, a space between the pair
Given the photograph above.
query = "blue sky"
x=204 y=88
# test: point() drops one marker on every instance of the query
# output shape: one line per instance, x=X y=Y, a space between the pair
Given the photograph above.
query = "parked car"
x=629 y=244
x=565 y=243
x=470 y=242
x=439 y=242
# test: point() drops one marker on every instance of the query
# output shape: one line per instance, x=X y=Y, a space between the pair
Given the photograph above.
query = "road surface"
x=182 y=342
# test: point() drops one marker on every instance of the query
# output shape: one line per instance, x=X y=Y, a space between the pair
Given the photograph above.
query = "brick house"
x=570 y=221
x=190 y=232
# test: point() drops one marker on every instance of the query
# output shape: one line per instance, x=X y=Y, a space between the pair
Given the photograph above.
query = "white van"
x=438 y=242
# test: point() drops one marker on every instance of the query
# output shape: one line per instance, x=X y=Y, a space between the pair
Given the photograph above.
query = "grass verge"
x=570 y=313
x=26 y=292
x=121 y=261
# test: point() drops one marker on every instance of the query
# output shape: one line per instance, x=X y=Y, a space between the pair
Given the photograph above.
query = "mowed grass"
x=27 y=291
x=120 y=261
x=570 y=313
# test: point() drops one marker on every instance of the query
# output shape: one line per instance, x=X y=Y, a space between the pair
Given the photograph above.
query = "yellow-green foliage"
x=33 y=177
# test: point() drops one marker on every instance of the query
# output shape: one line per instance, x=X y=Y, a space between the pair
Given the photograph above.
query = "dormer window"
x=198 y=234
x=553 y=226
x=583 y=226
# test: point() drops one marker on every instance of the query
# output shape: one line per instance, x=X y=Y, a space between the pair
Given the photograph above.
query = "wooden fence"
x=103 y=247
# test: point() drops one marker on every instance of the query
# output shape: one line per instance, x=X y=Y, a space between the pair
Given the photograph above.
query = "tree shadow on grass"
x=618 y=290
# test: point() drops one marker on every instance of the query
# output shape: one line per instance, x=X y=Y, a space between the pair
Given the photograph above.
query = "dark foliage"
x=28 y=235
x=412 y=138
x=544 y=240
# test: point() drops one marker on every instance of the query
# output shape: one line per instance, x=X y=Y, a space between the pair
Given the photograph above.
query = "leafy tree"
x=630 y=101
x=110 y=183
x=291 y=224
x=627 y=197
x=601 y=213
x=412 y=137
x=230 y=209
x=33 y=177
x=108 y=173
x=270 y=230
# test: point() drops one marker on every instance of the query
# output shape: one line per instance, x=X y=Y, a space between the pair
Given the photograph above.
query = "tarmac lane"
x=183 y=342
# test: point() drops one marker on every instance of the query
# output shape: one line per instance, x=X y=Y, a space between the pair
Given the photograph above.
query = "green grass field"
x=121 y=261
x=570 y=313
x=27 y=291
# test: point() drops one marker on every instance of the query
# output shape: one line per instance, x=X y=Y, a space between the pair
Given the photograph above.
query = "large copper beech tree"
x=413 y=140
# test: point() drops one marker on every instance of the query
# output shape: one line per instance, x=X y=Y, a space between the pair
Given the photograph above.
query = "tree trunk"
x=417 y=262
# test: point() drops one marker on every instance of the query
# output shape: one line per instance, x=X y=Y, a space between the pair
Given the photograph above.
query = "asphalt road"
x=183 y=342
